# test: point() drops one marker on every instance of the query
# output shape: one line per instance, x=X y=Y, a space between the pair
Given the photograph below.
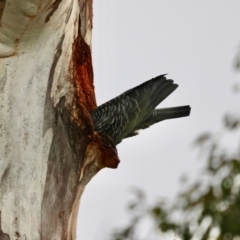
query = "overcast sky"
x=195 y=42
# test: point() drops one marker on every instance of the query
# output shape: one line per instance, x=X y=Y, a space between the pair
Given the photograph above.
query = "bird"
x=122 y=117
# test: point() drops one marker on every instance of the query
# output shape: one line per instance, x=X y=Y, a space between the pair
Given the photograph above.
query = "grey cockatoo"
x=135 y=109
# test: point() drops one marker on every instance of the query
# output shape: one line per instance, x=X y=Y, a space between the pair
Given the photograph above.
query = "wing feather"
x=123 y=115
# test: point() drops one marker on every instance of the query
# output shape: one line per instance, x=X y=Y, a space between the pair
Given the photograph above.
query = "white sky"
x=133 y=41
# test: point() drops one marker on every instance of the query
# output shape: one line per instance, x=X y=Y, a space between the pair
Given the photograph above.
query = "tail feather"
x=166 y=113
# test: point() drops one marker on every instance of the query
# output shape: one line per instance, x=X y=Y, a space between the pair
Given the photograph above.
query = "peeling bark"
x=48 y=148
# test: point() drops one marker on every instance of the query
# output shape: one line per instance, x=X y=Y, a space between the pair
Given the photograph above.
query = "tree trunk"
x=48 y=149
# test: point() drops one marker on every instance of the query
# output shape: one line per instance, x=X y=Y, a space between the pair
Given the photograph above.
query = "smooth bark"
x=47 y=148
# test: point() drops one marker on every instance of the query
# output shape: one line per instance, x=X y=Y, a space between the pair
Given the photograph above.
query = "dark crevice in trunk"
x=54 y=8
x=2 y=6
x=3 y=236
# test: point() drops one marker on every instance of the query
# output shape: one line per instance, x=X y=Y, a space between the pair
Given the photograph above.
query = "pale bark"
x=46 y=93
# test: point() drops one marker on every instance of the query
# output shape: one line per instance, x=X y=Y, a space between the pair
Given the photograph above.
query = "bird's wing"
x=113 y=117
x=122 y=116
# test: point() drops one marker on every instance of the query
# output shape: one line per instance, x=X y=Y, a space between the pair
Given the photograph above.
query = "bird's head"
x=109 y=152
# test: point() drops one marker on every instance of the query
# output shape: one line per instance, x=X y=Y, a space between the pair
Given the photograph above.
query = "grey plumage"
x=134 y=109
